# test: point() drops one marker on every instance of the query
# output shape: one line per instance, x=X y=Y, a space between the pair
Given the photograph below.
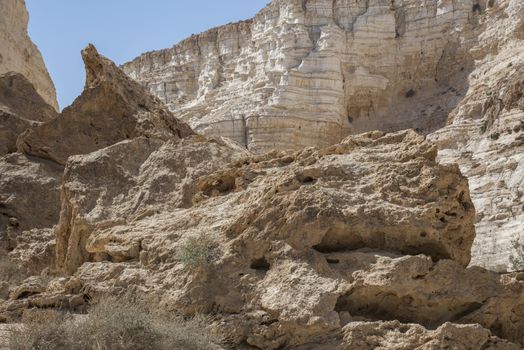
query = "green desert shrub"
x=198 y=251
x=112 y=324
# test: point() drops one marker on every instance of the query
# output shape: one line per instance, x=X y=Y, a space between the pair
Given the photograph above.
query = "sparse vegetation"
x=484 y=127
x=495 y=136
x=517 y=259
x=113 y=324
x=9 y=271
x=198 y=251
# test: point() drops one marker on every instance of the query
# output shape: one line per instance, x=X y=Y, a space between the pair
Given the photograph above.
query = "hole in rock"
x=410 y=93
x=26 y=294
x=477 y=8
x=306 y=180
x=332 y=261
x=375 y=304
x=261 y=265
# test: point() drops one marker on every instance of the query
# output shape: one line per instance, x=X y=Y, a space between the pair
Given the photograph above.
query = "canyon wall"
x=304 y=73
x=19 y=54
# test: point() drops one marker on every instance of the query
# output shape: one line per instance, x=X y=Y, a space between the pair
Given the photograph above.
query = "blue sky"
x=120 y=29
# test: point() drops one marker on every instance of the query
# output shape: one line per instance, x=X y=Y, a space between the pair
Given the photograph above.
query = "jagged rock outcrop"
x=20 y=108
x=111 y=108
x=304 y=73
x=19 y=54
x=30 y=181
x=303 y=244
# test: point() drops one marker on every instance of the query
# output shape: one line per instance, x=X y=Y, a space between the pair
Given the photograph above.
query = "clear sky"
x=120 y=29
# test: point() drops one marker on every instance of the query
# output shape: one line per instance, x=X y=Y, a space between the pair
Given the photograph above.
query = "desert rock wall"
x=18 y=53
x=304 y=73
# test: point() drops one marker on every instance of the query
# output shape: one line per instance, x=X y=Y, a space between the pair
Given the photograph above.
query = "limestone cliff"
x=19 y=54
x=304 y=73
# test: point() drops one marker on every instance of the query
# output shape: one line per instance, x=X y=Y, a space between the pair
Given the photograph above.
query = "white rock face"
x=486 y=135
x=17 y=51
x=304 y=73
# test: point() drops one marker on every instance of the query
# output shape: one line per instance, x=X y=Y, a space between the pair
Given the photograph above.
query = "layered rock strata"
x=485 y=136
x=307 y=73
x=304 y=73
x=19 y=54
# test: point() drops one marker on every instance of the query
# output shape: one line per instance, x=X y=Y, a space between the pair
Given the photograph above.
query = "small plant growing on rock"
x=198 y=251
x=495 y=136
x=484 y=127
x=517 y=259
x=9 y=271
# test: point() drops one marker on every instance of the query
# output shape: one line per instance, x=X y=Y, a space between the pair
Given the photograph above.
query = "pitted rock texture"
x=19 y=54
x=397 y=336
x=111 y=108
x=307 y=73
x=305 y=245
x=485 y=136
x=321 y=248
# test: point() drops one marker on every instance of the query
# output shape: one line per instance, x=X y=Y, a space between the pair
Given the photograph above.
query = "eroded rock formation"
x=308 y=73
x=485 y=135
x=19 y=54
x=360 y=244
x=112 y=108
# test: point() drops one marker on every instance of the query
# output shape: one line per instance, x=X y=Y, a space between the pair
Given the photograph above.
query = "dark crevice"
x=261 y=265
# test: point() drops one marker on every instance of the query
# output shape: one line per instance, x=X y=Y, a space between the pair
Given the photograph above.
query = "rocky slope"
x=360 y=245
x=19 y=54
x=309 y=73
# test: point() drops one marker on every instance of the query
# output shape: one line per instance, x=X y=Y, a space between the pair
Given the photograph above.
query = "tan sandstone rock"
x=19 y=54
x=20 y=108
x=112 y=108
x=308 y=73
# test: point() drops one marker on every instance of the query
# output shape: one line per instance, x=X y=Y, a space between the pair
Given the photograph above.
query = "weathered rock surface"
x=303 y=244
x=30 y=182
x=19 y=54
x=111 y=108
x=308 y=73
x=20 y=108
x=397 y=336
x=29 y=196
x=485 y=136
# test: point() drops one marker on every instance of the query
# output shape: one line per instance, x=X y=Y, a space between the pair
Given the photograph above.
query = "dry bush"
x=198 y=251
x=9 y=271
x=113 y=324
